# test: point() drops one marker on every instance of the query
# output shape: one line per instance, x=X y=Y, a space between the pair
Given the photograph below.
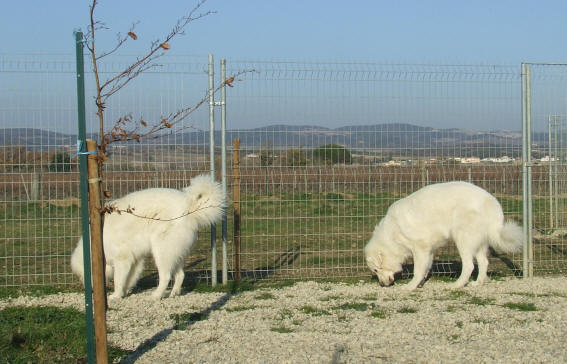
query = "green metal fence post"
x=81 y=146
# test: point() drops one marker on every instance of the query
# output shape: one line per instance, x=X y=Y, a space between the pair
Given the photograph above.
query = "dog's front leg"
x=422 y=261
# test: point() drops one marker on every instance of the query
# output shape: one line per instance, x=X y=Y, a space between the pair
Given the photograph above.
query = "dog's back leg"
x=178 y=281
x=164 y=263
x=466 y=254
x=482 y=261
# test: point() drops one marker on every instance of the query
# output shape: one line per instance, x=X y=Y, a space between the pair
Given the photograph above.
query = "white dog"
x=427 y=219
x=163 y=223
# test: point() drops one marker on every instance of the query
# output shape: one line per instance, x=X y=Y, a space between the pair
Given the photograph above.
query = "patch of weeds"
x=45 y=335
x=35 y=291
x=239 y=308
x=480 y=301
x=457 y=294
x=284 y=314
x=407 y=309
x=454 y=337
x=459 y=324
x=370 y=297
x=282 y=330
x=297 y=322
x=182 y=320
x=446 y=279
x=313 y=311
x=380 y=313
x=521 y=306
x=343 y=318
x=451 y=308
x=480 y=321
x=353 y=306
x=265 y=296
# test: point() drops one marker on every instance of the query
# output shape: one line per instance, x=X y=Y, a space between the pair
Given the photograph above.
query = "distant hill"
x=379 y=136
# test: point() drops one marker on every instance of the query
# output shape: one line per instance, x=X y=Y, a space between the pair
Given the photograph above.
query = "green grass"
x=352 y=306
x=313 y=311
x=287 y=233
x=45 y=335
x=380 y=313
x=265 y=296
x=239 y=308
x=521 y=306
x=181 y=320
x=281 y=330
x=480 y=301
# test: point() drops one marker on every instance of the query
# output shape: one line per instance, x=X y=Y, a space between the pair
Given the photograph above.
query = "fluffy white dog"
x=430 y=217
x=162 y=223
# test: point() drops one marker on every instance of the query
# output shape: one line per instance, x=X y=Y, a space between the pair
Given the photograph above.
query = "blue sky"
x=438 y=32
x=495 y=31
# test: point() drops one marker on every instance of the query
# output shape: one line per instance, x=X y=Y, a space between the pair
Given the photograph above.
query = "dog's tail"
x=206 y=200
x=509 y=238
x=77 y=264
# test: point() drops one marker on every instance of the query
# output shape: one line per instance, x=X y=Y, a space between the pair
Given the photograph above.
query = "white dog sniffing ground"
x=428 y=219
x=163 y=223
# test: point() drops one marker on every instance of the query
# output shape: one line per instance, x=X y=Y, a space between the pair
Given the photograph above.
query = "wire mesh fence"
x=549 y=176
x=39 y=180
x=325 y=149
x=311 y=195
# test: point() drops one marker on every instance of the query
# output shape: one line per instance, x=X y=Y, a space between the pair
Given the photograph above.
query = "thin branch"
x=109 y=209
x=142 y=64
x=120 y=133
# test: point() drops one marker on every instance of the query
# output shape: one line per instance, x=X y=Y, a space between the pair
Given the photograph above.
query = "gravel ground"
x=508 y=321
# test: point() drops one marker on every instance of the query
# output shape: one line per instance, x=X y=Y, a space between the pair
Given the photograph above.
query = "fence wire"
x=549 y=174
x=325 y=149
x=348 y=139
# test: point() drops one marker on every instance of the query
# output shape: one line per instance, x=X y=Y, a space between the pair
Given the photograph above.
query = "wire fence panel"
x=311 y=195
x=39 y=189
x=549 y=174
x=325 y=149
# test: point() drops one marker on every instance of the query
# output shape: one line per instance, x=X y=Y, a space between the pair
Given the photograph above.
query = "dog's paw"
x=409 y=287
x=115 y=296
x=456 y=285
x=156 y=296
x=174 y=292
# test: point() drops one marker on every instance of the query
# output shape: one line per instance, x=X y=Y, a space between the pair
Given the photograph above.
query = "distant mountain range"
x=379 y=136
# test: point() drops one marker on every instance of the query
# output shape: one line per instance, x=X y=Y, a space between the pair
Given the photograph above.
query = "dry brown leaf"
x=229 y=81
x=164 y=46
x=133 y=35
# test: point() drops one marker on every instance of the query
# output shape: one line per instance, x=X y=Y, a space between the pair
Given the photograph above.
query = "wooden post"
x=236 y=186
x=97 y=254
x=36 y=187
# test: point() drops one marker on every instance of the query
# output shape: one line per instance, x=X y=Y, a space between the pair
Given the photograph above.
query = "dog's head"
x=383 y=270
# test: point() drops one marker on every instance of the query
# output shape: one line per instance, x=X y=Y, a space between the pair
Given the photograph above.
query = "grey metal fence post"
x=223 y=172
x=82 y=148
x=212 y=163
x=527 y=265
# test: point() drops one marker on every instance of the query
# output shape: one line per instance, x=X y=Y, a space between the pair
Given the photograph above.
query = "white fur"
x=129 y=239
x=430 y=217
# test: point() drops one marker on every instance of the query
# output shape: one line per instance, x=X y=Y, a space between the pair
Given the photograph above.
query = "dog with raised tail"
x=160 y=222
x=428 y=219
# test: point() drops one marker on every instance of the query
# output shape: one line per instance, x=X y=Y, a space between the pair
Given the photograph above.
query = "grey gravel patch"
x=474 y=325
